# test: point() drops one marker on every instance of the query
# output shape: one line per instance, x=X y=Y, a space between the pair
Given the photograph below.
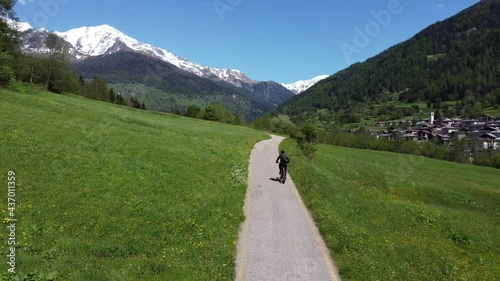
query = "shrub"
x=283 y=125
x=307 y=139
x=218 y=113
x=262 y=123
x=309 y=149
x=488 y=158
x=193 y=111
x=6 y=72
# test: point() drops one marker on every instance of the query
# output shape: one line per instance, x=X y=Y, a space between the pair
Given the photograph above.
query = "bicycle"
x=283 y=161
x=283 y=172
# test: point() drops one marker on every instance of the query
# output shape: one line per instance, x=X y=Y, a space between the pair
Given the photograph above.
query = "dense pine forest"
x=456 y=60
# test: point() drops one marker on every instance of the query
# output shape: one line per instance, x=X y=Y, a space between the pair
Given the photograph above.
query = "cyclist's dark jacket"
x=283 y=159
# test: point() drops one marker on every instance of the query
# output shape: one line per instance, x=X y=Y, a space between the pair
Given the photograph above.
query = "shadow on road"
x=274 y=179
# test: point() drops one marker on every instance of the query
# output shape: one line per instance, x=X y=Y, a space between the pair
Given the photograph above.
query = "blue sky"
x=283 y=41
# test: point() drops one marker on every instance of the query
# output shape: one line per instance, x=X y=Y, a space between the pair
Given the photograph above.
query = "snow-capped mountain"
x=90 y=42
x=302 y=85
x=20 y=26
x=105 y=39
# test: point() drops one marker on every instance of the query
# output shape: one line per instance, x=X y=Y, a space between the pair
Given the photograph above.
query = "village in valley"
x=483 y=132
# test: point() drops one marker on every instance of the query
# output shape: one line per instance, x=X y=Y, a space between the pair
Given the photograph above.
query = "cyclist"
x=283 y=161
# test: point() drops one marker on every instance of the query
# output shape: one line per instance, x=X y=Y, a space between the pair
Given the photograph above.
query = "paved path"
x=278 y=240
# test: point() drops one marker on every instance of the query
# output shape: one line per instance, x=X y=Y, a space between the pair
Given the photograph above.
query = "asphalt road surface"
x=278 y=240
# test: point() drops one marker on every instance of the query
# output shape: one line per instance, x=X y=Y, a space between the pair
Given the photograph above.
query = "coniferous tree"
x=6 y=72
x=176 y=111
x=119 y=99
x=8 y=42
x=81 y=86
x=112 y=96
x=437 y=115
x=55 y=49
x=134 y=103
x=239 y=119
x=59 y=77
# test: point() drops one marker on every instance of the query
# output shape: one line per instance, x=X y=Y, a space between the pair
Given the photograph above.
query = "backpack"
x=284 y=159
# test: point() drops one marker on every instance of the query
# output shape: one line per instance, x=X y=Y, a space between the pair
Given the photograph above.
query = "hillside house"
x=490 y=128
x=443 y=139
x=485 y=132
x=475 y=128
x=428 y=128
x=447 y=122
x=423 y=135
x=410 y=134
x=448 y=129
x=496 y=133
x=489 y=141
x=460 y=134
x=472 y=123
x=388 y=135
x=486 y=118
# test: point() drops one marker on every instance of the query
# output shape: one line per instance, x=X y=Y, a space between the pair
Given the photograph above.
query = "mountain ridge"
x=105 y=39
x=96 y=41
x=87 y=41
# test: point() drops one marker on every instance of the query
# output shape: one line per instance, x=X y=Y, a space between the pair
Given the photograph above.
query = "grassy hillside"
x=112 y=193
x=388 y=216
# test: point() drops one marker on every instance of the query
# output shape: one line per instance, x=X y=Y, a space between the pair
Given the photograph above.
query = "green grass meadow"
x=387 y=216
x=105 y=192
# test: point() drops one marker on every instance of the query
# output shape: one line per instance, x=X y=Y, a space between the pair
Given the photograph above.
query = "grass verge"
x=387 y=216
